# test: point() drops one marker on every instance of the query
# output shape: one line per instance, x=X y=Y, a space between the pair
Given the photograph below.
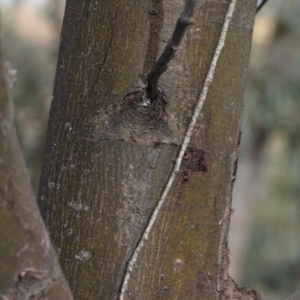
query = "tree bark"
x=108 y=157
x=28 y=266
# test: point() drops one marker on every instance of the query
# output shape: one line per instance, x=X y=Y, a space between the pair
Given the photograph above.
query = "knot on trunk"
x=136 y=118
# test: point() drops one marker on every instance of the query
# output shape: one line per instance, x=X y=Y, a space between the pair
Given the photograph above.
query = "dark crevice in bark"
x=109 y=46
x=156 y=19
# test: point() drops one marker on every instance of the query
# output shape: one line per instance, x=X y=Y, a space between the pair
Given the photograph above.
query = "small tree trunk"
x=28 y=266
x=108 y=157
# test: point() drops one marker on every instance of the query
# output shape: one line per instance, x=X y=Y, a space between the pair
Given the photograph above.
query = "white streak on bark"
x=224 y=222
x=186 y=140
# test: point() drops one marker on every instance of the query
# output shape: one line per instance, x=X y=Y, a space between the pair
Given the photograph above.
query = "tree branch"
x=162 y=64
x=262 y=3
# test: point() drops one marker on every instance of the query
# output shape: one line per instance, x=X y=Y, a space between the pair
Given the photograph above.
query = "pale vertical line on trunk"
x=226 y=216
x=208 y=80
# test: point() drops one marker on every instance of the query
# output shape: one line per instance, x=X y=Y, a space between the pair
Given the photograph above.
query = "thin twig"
x=208 y=80
x=162 y=64
x=262 y=3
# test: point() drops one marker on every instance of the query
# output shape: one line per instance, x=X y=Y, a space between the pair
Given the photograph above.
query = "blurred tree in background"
x=269 y=259
x=31 y=45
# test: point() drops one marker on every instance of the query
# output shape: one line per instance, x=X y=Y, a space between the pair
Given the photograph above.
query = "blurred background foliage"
x=265 y=231
x=31 y=40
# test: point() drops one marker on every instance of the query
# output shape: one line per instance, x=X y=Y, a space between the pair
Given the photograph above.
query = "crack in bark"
x=156 y=18
x=109 y=46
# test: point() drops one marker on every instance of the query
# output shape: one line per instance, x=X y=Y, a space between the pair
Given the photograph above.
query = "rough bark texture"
x=28 y=266
x=108 y=157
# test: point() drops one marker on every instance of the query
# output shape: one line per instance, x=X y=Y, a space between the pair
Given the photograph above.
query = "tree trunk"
x=108 y=158
x=28 y=266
